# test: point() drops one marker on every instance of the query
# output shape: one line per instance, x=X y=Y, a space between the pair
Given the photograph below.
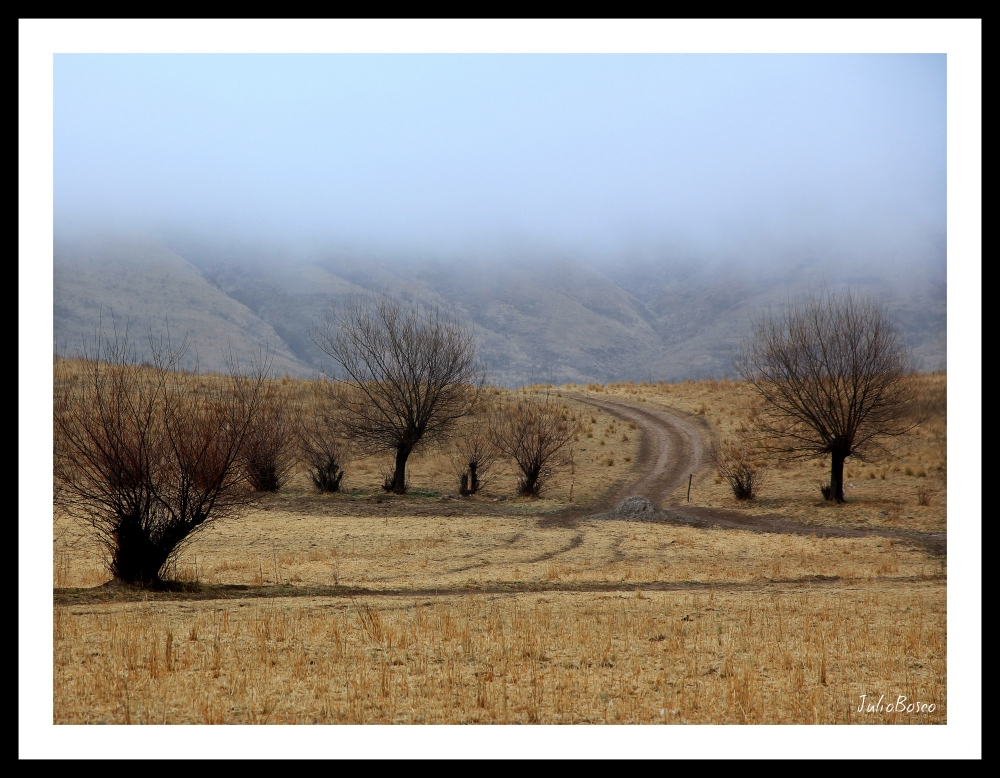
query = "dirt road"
x=672 y=447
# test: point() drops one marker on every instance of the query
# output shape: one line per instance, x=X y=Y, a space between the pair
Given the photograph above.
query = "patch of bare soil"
x=126 y=593
x=707 y=518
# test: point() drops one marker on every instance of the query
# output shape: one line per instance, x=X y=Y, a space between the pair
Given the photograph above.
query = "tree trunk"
x=529 y=486
x=473 y=478
x=399 y=474
x=837 y=476
x=327 y=477
x=135 y=558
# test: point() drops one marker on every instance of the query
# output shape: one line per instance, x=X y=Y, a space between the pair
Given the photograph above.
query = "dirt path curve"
x=671 y=449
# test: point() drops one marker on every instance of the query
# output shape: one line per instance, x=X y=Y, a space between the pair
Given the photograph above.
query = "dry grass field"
x=364 y=607
x=763 y=655
x=453 y=552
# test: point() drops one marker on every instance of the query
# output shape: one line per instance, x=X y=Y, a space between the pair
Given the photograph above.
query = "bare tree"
x=148 y=455
x=322 y=441
x=830 y=375
x=413 y=374
x=532 y=431
x=475 y=454
x=269 y=449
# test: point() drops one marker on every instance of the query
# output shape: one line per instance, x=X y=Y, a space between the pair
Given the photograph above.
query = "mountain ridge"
x=555 y=320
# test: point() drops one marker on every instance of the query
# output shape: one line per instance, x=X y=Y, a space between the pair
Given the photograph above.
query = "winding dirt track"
x=671 y=449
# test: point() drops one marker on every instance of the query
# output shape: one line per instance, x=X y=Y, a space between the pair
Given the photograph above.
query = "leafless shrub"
x=149 y=456
x=923 y=496
x=413 y=373
x=474 y=453
x=269 y=450
x=737 y=463
x=533 y=430
x=321 y=437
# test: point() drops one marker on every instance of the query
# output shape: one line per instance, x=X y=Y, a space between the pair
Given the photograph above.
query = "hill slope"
x=148 y=288
x=557 y=320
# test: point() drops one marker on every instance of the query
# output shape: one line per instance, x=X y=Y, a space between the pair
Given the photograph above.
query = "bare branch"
x=532 y=430
x=474 y=453
x=323 y=443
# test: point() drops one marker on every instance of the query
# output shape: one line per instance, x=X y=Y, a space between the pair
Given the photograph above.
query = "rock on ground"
x=635 y=506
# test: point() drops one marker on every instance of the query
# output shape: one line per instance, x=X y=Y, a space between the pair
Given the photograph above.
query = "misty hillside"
x=555 y=320
x=116 y=284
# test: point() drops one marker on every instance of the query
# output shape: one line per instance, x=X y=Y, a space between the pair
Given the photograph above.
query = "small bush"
x=531 y=431
x=327 y=477
x=737 y=464
x=269 y=454
x=323 y=445
x=474 y=455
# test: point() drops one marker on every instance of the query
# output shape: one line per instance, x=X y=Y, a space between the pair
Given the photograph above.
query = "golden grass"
x=444 y=637
x=767 y=656
x=454 y=552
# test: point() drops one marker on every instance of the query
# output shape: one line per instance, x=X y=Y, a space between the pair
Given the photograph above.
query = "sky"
x=590 y=154
x=435 y=153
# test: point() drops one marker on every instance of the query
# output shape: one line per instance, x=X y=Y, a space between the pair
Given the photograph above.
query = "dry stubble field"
x=366 y=608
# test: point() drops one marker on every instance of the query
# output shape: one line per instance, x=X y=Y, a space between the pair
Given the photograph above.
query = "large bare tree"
x=149 y=455
x=829 y=375
x=412 y=372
